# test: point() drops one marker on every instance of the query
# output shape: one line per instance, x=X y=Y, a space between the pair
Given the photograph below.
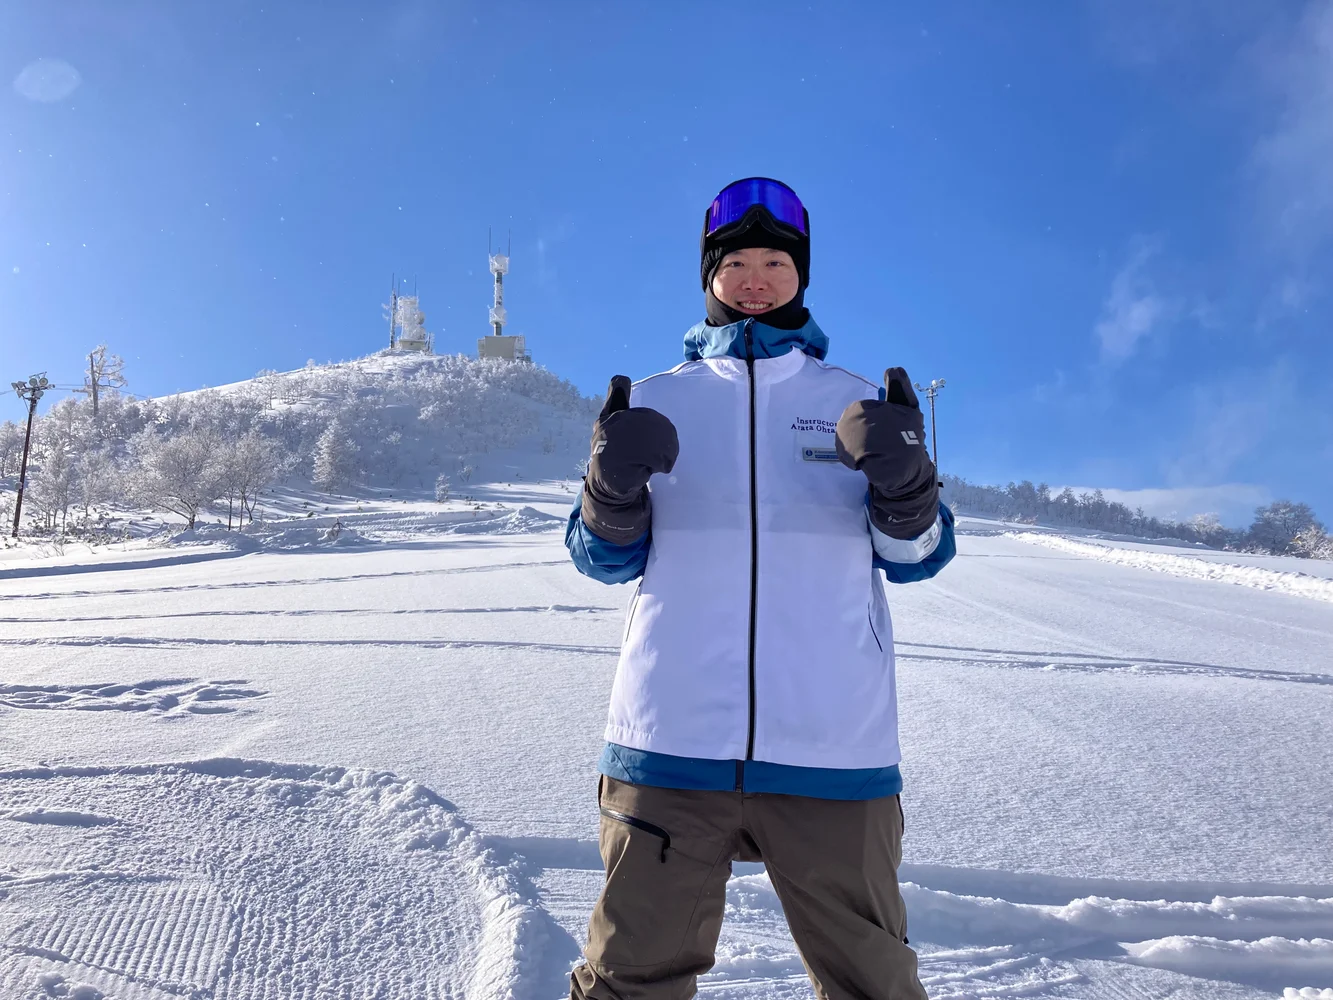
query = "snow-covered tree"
x=96 y=478
x=180 y=474
x=441 y=488
x=1208 y=528
x=105 y=374
x=11 y=448
x=335 y=457
x=247 y=466
x=1312 y=543
x=1279 y=524
x=266 y=385
x=51 y=485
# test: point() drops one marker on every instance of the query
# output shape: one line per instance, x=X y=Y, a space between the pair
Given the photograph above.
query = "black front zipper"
x=639 y=824
x=754 y=531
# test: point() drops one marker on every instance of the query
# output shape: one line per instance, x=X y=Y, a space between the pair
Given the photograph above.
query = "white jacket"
x=760 y=629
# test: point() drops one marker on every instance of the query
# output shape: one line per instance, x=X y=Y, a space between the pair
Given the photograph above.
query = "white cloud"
x=1133 y=309
x=1233 y=503
x=47 y=80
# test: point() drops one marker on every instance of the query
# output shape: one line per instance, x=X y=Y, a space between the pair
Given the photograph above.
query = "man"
x=758 y=492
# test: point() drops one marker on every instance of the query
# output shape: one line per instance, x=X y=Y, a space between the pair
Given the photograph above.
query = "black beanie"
x=756 y=234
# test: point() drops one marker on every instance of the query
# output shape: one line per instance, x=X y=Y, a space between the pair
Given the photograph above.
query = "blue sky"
x=1108 y=224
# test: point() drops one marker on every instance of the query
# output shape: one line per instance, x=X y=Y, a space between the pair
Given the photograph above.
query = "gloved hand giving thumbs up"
x=629 y=444
x=886 y=439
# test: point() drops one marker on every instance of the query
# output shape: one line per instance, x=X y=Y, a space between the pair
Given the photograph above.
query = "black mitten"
x=886 y=440
x=629 y=444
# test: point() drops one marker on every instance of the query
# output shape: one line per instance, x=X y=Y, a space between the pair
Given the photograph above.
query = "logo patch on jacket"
x=814 y=439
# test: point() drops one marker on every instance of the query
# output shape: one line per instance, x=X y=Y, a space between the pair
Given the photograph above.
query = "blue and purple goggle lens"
x=734 y=200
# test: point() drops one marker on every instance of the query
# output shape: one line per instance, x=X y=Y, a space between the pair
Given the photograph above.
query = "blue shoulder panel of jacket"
x=601 y=560
x=660 y=770
x=929 y=566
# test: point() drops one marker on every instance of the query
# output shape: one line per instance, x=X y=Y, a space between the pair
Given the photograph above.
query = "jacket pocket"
x=651 y=829
x=629 y=616
x=870 y=617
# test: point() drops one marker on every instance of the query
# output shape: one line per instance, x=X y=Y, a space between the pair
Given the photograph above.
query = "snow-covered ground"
x=364 y=766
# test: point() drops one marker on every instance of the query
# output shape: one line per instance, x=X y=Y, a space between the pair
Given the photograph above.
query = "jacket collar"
x=730 y=341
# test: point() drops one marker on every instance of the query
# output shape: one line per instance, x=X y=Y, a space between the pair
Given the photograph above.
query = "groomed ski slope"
x=365 y=767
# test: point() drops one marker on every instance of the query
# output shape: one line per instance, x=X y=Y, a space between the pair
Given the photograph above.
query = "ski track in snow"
x=285 y=583
x=234 y=879
x=1091 y=663
x=103 y=641
x=1296 y=584
x=161 y=697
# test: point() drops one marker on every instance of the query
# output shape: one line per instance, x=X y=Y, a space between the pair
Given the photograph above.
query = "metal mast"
x=29 y=391
x=931 y=392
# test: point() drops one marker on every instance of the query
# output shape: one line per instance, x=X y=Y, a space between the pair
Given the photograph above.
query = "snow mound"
x=1296 y=584
x=522 y=521
x=311 y=537
x=250 y=878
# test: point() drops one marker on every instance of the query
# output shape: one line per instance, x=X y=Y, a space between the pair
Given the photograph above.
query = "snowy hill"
x=392 y=424
x=398 y=419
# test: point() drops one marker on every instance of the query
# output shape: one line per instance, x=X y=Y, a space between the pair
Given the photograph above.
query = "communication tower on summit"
x=498 y=345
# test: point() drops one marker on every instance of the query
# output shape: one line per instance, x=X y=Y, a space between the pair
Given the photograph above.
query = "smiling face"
x=756 y=280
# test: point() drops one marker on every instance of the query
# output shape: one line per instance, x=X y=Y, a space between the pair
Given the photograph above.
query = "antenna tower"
x=499 y=268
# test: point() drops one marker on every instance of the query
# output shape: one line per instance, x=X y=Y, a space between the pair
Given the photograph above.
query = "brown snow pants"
x=668 y=854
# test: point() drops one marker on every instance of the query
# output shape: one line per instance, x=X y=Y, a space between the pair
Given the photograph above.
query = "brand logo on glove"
x=910 y=437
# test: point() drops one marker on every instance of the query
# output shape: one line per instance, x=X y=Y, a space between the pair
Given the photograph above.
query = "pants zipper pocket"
x=871 y=619
x=639 y=824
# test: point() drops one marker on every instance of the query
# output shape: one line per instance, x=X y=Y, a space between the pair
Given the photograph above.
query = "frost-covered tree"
x=51 y=484
x=247 y=466
x=1279 y=524
x=104 y=375
x=266 y=386
x=96 y=478
x=1209 y=528
x=180 y=474
x=441 y=488
x=11 y=448
x=335 y=457
x=1312 y=543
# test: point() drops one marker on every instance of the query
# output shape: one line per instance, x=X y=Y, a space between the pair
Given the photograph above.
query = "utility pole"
x=931 y=392
x=30 y=391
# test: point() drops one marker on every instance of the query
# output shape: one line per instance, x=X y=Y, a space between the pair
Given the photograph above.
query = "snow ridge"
x=1296 y=584
x=978 y=946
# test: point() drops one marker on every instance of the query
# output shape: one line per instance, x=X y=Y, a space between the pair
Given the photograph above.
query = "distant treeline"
x=1282 y=527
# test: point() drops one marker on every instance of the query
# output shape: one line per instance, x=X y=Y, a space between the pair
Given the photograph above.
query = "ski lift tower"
x=498 y=344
